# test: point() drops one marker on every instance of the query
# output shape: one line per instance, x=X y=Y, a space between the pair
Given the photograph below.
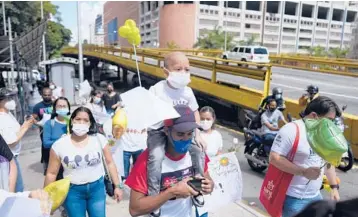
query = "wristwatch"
x=334 y=186
x=120 y=185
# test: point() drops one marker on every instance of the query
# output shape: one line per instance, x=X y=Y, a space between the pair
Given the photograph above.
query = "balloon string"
x=136 y=62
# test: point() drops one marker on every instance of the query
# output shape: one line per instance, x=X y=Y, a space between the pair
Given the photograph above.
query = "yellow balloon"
x=124 y=31
x=131 y=23
x=135 y=30
x=119 y=124
x=130 y=32
x=58 y=192
x=137 y=40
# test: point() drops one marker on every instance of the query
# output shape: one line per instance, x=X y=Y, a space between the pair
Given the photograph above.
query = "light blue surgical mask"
x=62 y=112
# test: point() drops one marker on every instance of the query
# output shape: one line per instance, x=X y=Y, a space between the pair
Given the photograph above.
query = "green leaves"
x=25 y=14
x=215 y=39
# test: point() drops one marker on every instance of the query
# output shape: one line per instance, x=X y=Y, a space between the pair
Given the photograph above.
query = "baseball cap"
x=186 y=122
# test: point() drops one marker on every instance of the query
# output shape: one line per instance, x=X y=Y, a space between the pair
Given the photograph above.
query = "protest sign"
x=225 y=171
x=144 y=109
x=21 y=206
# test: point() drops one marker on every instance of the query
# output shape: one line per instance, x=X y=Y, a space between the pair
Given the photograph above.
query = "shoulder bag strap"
x=105 y=166
x=295 y=144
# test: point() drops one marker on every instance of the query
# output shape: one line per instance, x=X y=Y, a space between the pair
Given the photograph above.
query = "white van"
x=254 y=54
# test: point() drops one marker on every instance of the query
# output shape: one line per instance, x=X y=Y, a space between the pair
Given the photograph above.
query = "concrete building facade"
x=281 y=26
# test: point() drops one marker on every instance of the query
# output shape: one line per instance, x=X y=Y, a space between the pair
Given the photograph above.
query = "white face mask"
x=206 y=125
x=179 y=79
x=80 y=129
x=10 y=105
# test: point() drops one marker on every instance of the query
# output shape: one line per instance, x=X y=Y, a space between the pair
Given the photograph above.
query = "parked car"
x=253 y=54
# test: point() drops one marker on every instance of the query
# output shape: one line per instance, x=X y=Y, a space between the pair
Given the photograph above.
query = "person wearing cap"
x=176 y=196
x=11 y=130
x=175 y=91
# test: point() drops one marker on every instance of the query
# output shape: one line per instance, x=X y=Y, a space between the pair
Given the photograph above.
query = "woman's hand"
x=118 y=194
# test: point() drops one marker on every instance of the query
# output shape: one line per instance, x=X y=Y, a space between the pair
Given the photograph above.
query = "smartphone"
x=196 y=183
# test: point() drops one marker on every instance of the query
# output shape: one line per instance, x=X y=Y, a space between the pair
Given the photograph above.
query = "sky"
x=89 y=11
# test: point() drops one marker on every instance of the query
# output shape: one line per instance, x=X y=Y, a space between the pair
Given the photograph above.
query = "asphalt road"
x=342 y=89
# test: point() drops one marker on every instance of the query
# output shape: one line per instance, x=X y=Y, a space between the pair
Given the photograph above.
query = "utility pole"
x=90 y=29
x=43 y=38
x=80 y=55
x=263 y=22
x=225 y=26
x=11 y=80
x=4 y=17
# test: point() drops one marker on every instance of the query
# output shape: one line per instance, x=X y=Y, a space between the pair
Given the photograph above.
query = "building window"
x=211 y=12
x=253 y=5
x=212 y=3
x=247 y=26
x=168 y=2
x=216 y=12
x=201 y=10
x=206 y=11
x=231 y=4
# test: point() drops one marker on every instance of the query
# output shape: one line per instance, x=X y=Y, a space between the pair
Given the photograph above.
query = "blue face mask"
x=181 y=146
x=62 y=112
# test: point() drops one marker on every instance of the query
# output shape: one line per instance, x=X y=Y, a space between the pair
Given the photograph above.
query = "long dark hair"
x=210 y=110
x=54 y=114
x=95 y=93
x=93 y=125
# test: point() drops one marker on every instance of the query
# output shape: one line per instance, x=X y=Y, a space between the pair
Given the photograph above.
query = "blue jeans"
x=19 y=187
x=126 y=160
x=90 y=198
x=292 y=206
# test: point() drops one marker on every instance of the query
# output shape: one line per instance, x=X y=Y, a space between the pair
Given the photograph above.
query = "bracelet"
x=334 y=186
x=120 y=186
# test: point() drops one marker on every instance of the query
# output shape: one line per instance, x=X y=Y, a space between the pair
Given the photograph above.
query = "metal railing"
x=246 y=97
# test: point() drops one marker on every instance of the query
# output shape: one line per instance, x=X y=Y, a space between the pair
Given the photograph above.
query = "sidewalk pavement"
x=32 y=172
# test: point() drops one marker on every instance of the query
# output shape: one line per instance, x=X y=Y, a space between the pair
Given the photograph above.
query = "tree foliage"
x=250 y=41
x=25 y=14
x=338 y=53
x=215 y=39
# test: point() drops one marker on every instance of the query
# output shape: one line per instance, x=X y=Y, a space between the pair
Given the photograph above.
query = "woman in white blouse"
x=81 y=154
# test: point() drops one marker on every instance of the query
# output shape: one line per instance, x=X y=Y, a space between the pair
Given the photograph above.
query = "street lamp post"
x=226 y=2
x=43 y=38
x=4 y=17
x=80 y=55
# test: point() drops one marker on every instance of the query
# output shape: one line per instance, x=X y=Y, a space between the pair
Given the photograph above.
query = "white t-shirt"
x=214 y=142
x=183 y=96
x=99 y=112
x=9 y=129
x=305 y=157
x=83 y=165
x=57 y=92
x=173 y=171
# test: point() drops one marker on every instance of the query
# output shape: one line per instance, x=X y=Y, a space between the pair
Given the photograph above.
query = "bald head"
x=176 y=61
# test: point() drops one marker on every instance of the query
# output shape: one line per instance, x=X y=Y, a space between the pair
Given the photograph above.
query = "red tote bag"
x=276 y=182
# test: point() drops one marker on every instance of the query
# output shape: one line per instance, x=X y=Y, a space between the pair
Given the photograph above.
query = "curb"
x=254 y=211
